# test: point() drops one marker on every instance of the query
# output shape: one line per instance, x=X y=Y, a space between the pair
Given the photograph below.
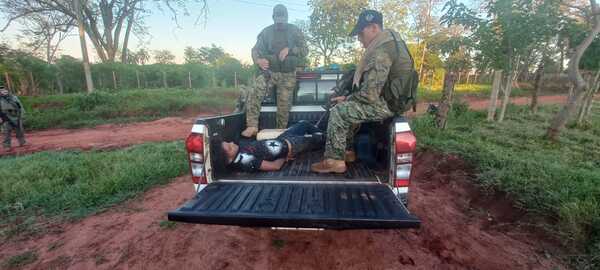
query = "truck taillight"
x=195 y=147
x=405 y=146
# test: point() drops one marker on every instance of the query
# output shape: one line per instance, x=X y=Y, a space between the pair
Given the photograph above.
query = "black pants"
x=303 y=137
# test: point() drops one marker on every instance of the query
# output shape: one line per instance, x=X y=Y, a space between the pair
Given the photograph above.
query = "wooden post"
x=235 y=79
x=137 y=76
x=190 y=79
x=459 y=77
x=165 y=80
x=441 y=117
x=114 y=80
x=496 y=84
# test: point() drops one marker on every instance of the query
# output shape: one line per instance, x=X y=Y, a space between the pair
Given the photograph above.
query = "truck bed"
x=299 y=170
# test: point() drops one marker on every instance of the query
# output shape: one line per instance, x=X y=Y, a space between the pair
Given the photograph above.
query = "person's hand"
x=338 y=99
x=263 y=63
x=284 y=53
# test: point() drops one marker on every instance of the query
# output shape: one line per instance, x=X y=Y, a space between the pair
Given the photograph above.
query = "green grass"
x=559 y=181
x=20 y=260
x=81 y=110
x=473 y=90
x=69 y=185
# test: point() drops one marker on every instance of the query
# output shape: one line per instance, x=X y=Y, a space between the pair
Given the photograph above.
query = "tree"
x=210 y=55
x=107 y=23
x=591 y=14
x=191 y=56
x=45 y=32
x=164 y=57
x=330 y=23
x=141 y=57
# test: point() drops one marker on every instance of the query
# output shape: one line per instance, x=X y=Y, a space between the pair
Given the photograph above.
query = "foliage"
x=558 y=181
x=164 y=57
x=331 y=21
x=18 y=261
x=100 y=107
x=74 y=184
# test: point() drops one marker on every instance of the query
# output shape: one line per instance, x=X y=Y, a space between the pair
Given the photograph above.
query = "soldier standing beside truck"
x=280 y=49
x=11 y=116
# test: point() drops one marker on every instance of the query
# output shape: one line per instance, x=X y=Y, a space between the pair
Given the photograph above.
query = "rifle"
x=343 y=89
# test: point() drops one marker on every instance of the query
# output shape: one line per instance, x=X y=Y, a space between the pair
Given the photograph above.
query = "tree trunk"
x=586 y=103
x=496 y=85
x=9 y=84
x=561 y=118
x=114 y=77
x=61 y=87
x=537 y=87
x=137 y=76
x=445 y=106
x=86 y=62
x=506 y=98
x=34 y=89
x=190 y=80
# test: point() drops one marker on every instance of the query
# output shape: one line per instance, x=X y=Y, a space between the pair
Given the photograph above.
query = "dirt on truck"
x=372 y=194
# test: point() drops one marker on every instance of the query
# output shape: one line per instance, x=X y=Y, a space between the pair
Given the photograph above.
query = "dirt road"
x=167 y=129
x=462 y=229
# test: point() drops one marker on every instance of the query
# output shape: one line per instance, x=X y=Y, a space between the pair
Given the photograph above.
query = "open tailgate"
x=299 y=205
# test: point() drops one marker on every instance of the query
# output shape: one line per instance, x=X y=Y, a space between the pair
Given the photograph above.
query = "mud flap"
x=331 y=206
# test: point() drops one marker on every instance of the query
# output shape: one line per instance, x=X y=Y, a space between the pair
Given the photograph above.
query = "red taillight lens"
x=406 y=142
x=199 y=180
x=195 y=143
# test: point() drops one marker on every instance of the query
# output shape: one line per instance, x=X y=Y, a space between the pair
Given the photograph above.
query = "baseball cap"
x=365 y=18
x=280 y=14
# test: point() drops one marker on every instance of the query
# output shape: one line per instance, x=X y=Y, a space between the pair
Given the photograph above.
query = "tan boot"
x=250 y=132
x=329 y=166
x=350 y=156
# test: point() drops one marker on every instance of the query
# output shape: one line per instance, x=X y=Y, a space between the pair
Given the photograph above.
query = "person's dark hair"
x=219 y=161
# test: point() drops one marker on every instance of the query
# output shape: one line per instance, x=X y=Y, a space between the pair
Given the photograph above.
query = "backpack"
x=401 y=93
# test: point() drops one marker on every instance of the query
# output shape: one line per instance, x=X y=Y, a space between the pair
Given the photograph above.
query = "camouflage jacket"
x=268 y=47
x=11 y=107
x=383 y=65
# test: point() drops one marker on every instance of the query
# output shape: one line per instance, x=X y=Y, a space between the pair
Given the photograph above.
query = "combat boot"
x=250 y=132
x=329 y=166
x=350 y=156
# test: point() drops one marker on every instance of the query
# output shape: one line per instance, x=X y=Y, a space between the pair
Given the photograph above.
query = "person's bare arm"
x=272 y=165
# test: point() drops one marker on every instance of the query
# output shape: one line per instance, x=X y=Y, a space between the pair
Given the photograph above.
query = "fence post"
x=190 y=79
x=235 y=79
x=137 y=75
x=496 y=83
x=114 y=80
x=165 y=79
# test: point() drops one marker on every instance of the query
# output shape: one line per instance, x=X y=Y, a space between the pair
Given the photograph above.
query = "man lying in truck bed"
x=271 y=154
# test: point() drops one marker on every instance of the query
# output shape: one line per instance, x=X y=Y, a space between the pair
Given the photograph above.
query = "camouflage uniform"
x=366 y=104
x=281 y=74
x=13 y=109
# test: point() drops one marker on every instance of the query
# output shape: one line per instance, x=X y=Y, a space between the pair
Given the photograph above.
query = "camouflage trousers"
x=343 y=120
x=7 y=130
x=285 y=84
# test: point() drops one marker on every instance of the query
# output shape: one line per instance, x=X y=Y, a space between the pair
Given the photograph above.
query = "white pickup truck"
x=371 y=194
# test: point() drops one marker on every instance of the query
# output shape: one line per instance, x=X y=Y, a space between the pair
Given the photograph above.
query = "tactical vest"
x=275 y=65
x=400 y=90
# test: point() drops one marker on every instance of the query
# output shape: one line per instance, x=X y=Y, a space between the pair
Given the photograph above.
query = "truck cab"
x=372 y=194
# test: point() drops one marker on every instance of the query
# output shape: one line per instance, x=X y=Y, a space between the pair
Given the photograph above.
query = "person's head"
x=368 y=26
x=222 y=153
x=280 y=15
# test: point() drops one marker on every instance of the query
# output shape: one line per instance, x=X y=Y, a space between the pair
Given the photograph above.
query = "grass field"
x=559 y=181
x=472 y=90
x=65 y=185
x=81 y=110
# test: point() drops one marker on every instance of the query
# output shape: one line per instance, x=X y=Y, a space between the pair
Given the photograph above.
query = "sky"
x=231 y=24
